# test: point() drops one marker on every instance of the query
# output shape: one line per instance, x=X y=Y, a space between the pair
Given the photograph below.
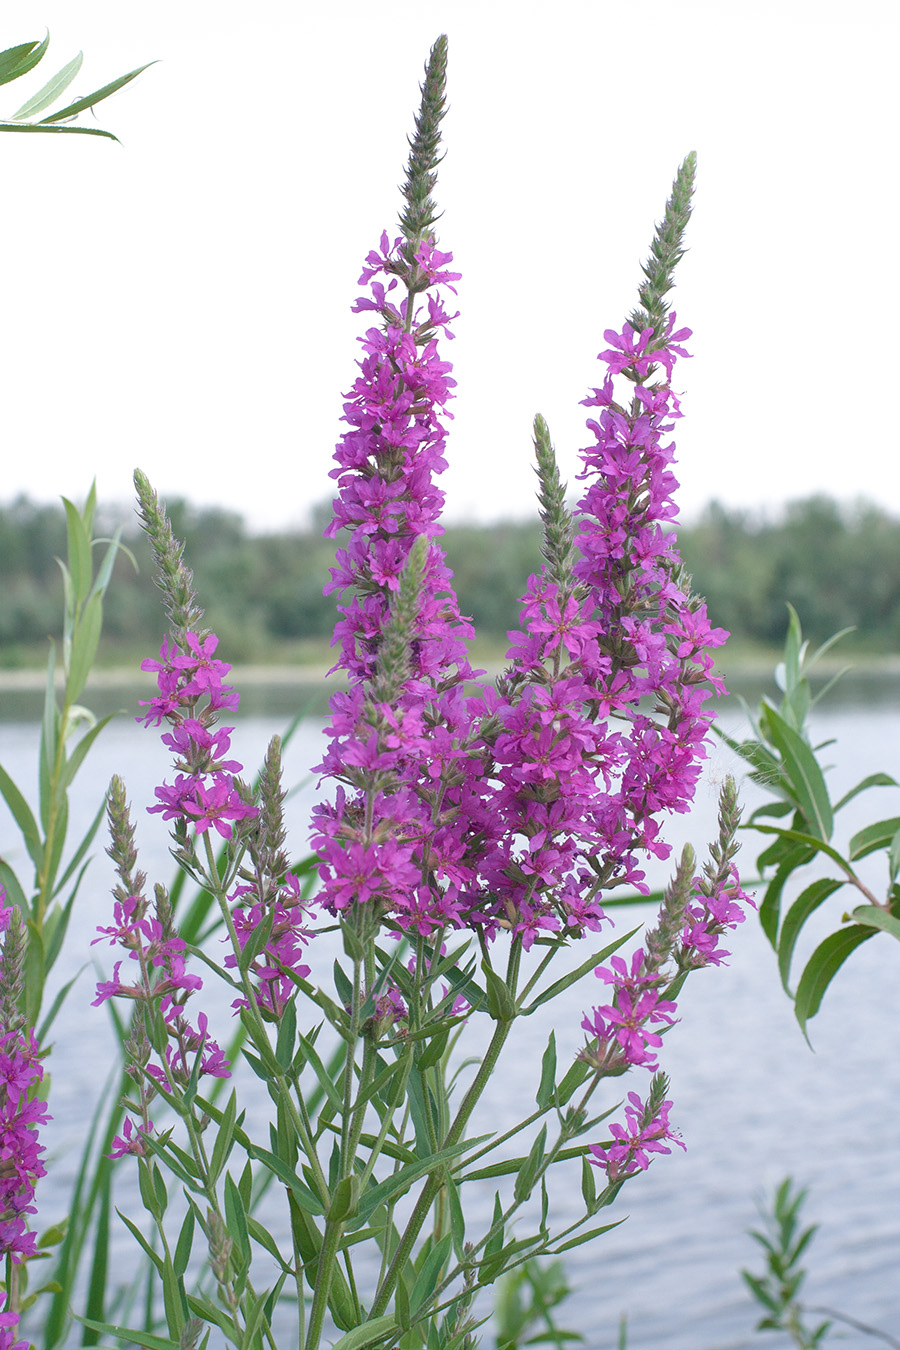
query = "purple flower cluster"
x=645 y=1133
x=204 y=792
x=284 y=947
x=161 y=981
x=514 y=808
x=404 y=838
x=21 y=1112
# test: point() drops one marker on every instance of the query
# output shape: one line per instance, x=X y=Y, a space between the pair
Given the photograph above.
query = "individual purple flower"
x=634 y=1141
x=130 y=1141
x=9 y=1320
x=217 y=806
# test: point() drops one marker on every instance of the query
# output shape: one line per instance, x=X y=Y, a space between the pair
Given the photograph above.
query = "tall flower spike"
x=405 y=834
x=174 y=579
x=665 y=252
x=421 y=213
x=558 y=545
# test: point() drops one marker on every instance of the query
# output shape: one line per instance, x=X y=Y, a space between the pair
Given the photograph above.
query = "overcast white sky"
x=181 y=301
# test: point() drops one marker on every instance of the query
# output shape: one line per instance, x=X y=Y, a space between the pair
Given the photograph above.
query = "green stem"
x=435 y=1180
x=327 y=1256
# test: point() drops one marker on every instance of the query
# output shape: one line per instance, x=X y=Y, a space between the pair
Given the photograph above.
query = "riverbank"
x=288 y=688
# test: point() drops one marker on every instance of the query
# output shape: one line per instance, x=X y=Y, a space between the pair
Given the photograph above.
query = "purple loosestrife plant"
x=473 y=833
x=21 y=1112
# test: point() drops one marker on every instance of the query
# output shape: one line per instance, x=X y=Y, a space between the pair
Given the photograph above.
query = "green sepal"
x=500 y=1003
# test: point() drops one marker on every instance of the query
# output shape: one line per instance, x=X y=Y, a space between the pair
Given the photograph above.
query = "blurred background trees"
x=838 y=565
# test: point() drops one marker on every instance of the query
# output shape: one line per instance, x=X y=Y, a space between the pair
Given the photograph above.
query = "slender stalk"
x=435 y=1180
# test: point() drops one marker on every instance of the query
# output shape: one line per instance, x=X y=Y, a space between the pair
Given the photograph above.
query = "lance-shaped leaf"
x=361 y=1338
x=82 y=104
x=16 y=61
x=822 y=967
x=806 y=780
x=51 y=91
x=878 y=835
x=806 y=903
x=406 y=1176
x=873 y=917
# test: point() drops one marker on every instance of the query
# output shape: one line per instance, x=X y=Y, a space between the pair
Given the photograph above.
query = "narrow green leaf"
x=184 y=1244
x=328 y=1086
x=379 y=1329
x=428 y=1276
x=148 y=1193
x=527 y=1176
x=588 y=1183
x=873 y=917
x=22 y=814
x=79 y=541
x=129 y=1336
x=806 y=779
x=894 y=858
x=806 y=903
x=59 y=131
x=344 y=1199
x=287 y=1033
x=142 y=1242
x=75 y=860
x=822 y=967
x=16 y=61
x=50 y=1017
x=253 y=1319
x=82 y=104
x=266 y=1240
x=583 y=1237
x=224 y=1139
x=96 y=1299
x=457 y=1217
x=302 y=1194
x=559 y=986
x=801 y=837
x=236 y=1219
x=77 y=757
x=51 y=90
x=435 y=1048
x=406 y=1176
x=873 y=780
x=84 y=647
x=878 y=835
x=494 y=1266
x=548 y=1074
x=575 y=1075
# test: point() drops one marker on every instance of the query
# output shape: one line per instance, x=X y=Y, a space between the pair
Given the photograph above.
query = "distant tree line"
x=839 y=566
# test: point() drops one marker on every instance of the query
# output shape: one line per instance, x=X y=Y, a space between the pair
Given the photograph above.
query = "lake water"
x=751 y=1100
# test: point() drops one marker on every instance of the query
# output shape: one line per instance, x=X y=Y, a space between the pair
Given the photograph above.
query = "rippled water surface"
x=751 y=1100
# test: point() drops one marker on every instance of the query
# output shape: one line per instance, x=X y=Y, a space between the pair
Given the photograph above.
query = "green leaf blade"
x=51 y=90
